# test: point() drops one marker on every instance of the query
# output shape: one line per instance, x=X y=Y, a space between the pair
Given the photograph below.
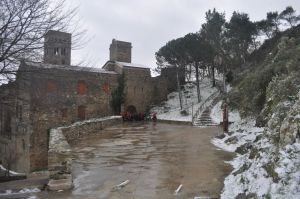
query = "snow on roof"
x=125 y=64
x=68 y=67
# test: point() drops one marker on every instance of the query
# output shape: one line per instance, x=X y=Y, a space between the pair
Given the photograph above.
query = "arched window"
x=56 y=51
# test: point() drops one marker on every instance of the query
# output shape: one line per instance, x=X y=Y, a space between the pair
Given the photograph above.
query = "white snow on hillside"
x=170 y=109
x=216 y=114
x=250 y=176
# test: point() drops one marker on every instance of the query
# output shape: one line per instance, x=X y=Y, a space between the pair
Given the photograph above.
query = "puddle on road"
x=155 y=160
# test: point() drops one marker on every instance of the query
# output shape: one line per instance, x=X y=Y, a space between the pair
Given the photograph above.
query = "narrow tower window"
x=56 y=51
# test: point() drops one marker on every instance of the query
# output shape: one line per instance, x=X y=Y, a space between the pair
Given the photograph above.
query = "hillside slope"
x=277 y=58
x=268 y=95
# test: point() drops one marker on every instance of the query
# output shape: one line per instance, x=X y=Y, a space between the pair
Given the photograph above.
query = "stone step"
x=202 y=119
x=205 y=114
x=204 y=123
x=205 y=118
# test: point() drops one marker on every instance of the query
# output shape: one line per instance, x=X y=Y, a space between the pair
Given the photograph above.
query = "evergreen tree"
x=212 y=32
x=239 y=33
x=173 y=53
x=289 y=15
x=273 y=20
x=199 y=53
x=270 y=25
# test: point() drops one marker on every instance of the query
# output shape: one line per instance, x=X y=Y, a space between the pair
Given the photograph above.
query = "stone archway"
x=131 y=109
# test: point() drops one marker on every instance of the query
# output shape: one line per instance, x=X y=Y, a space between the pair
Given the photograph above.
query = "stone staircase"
x=204 y=118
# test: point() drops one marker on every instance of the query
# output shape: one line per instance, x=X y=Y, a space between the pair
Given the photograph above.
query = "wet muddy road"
x=155 y=159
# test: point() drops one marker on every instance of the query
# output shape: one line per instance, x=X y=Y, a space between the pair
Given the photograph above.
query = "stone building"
x=54 y=93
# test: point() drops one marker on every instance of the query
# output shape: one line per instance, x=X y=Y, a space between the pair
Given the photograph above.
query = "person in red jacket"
x=154 y=118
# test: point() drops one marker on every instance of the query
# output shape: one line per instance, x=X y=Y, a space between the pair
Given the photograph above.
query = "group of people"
x=127 y=116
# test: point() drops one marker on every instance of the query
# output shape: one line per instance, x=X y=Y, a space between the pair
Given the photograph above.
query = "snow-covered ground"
x=10 y=193
x=253 y=166
x=216 y=114
x=170 y=109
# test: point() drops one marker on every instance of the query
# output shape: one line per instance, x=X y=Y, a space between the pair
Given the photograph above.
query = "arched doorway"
x=131 y=109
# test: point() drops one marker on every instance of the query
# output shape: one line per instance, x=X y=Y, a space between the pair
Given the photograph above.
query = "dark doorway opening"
x=81 y=112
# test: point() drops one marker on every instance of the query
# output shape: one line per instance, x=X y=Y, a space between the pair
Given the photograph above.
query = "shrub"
x=184 y=113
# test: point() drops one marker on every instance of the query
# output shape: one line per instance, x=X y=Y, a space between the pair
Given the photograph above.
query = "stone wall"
x=14 y=128
x=83 y=128
x=138 y=88
x=142 y=90
x=59 y=161
x=60 y=153
x=61 y=97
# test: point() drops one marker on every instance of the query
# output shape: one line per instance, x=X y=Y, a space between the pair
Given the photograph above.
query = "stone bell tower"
x=57 y=48
x=120 y=51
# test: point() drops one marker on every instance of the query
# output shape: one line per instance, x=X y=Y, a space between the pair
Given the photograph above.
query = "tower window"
x=56 y=51
x=63 y=51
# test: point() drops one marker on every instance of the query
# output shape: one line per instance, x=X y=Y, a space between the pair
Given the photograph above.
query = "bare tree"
x=23 y=25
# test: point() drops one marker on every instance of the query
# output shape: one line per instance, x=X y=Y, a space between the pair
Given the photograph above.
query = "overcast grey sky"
x=149 y=24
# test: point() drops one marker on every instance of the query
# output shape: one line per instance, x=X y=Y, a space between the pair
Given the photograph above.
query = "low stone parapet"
x=59 y=160
x=82 y=128
x=60 y=153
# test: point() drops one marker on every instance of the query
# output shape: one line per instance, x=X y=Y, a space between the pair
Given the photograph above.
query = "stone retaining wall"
x=60 y=153
x=80 y=129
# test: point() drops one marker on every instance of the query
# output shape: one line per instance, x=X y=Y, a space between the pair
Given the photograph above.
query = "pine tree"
x=289 y=15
